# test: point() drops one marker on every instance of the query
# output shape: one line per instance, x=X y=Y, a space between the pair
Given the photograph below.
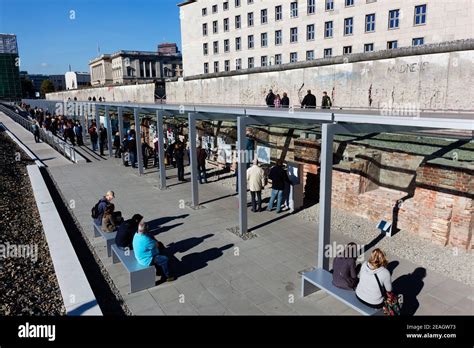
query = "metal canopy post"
x=193 y=158
x=325 y=191
x=97 y=117
x=242 y=173
x=109 y=130
x=85 y=116
x=120 y=122
x=161 y=149
x=138 y=138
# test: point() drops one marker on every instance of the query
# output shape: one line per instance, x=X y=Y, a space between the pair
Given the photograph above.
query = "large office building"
x=231 y=35
x=59 y=81
x=130 y=67
x=10 y=83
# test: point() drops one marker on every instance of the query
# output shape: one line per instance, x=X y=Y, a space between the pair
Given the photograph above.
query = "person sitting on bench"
x=126 y=231
x=102 y=204
x=373 y=273
x=147 y=253
x=344 y=273
x=111 y=219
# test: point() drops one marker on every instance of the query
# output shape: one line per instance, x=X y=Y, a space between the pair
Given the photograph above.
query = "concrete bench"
x=321 y=279
x=108 y=236
x=141 y=277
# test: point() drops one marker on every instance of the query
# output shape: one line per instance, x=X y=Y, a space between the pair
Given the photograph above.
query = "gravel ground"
x=454 y=263
x=28 y=284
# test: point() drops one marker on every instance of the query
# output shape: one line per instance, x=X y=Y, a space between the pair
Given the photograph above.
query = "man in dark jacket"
x=285 y=101
x=103 y=203
x=102 y=139
x=279 y=177
x=132 y=148
x=201 y=161
x=326 y=101
x=309 y=101
x=344 y=273
x=269 y=100
x=126 y=231
x=179 y=157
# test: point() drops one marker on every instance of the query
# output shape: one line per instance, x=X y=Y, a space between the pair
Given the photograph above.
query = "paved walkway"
x=49 y=156
x=222 y=273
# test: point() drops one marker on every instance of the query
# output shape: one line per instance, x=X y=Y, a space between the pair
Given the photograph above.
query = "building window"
x=369 y=47
x=348 y=4
x=238 y=64
x=327 y=52
x=278 y=59
x=206 y=68
x=420 y=14
x=328 y=29
x=393 y=19
x=418 y=41
x=204 y=11
x=264 y=61
x=214 y=8
x=392 y=45
x=227 y=65
x=238 y=22
x=370 y=23
x=278 y=13
x=264 y=39
x=294 y=9
x=278 y=37
x=311 y=6
x=310 y=32
x=237 y=3
x=347 y=50
x=293 y=57
x=205 y=49
x=250 y=41
x=216 y=67
x=226 y=45
x=204 y=29
x=329 y=5
x=264 y=16
x=348 y=26
x=238 y=42
x=215 y=27
x=250 y=19
x=293 y=35
x=226 y=24
x=225 y=5
x=250 y=63
x=310 y=55
x=215 y=46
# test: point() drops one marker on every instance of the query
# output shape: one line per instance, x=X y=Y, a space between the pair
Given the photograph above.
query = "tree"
x=46 y=87
x=27 y=88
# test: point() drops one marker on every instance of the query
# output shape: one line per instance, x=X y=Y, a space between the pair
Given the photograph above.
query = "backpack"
x=95 y=211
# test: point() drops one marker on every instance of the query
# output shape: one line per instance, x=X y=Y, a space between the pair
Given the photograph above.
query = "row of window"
x=277 y=59
x=310 y=6
x=393 y=21
x=264 y=38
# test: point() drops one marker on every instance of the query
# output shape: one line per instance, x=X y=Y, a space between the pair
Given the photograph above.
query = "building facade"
x=130 y=67
x=75 y=80
x=10 y=83
x=227 y=35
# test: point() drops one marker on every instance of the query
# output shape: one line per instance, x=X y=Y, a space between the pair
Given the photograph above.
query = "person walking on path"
x=309 y=101
x=326 y=101
x=201 y=160
x=94 y=137
x=270 y=98
x=102 y=139
x=132 y=148
x=179 y=157
x=277 y=101
x=36 y=131
x=279 y=177
x=285 y=101
x=78 y=132
x=256 y=182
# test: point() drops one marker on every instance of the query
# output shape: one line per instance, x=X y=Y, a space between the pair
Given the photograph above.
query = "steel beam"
x=109 y=130
x=193 y=159
x=138 y=138
x=161 y=148
x=242 y=172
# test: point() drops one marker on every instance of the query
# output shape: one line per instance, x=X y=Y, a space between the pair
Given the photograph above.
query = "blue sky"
x=49 y=38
